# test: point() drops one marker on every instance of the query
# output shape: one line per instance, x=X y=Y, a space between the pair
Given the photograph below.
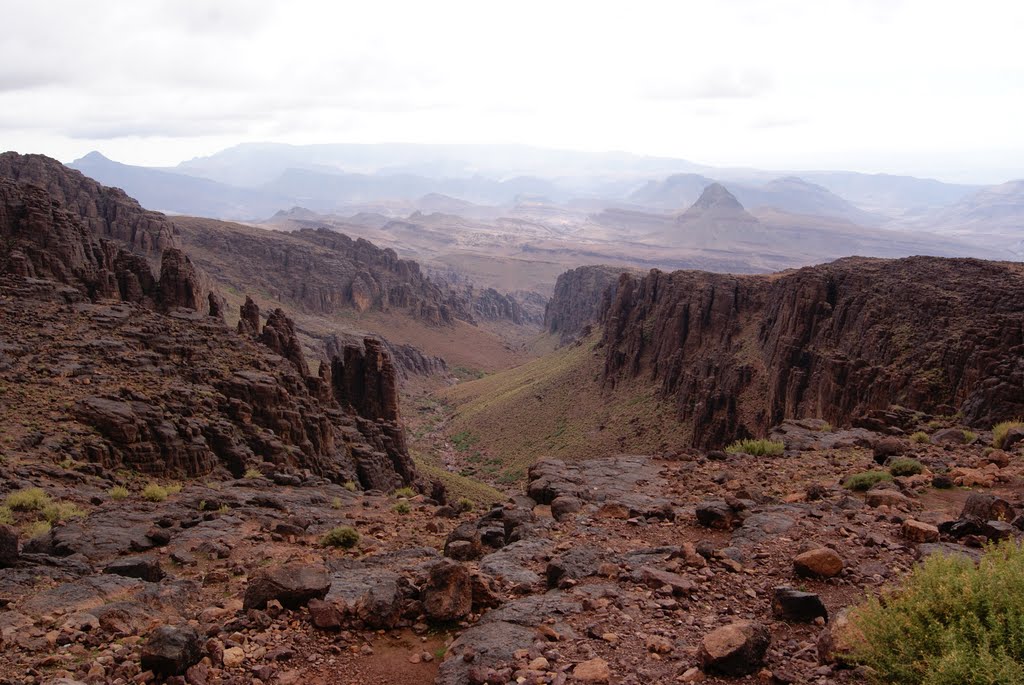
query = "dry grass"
x=555 y=406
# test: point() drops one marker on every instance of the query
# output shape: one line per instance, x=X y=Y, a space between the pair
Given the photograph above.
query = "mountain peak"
x=94 y=157
x=716 y=196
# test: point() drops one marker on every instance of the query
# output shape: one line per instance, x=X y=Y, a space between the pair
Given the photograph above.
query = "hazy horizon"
x=929 y=89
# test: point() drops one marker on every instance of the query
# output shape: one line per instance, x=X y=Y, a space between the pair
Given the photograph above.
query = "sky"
x=929 y=88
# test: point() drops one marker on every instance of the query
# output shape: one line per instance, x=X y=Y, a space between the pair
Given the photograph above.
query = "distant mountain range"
x=254 y=181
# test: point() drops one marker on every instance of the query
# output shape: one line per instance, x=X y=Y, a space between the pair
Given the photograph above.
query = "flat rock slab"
x=622 y=480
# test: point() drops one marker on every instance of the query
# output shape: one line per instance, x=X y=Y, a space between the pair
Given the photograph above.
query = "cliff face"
x=738 y=354
x=179 y=394
x=581 y=297
x=319 y=271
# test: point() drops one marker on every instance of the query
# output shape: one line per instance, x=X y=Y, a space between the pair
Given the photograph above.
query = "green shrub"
x=905 y=466
x=464 y=504
x=865 y=480
x=251 y=473
x=336 y=503
x=59 y=512
x=342 y=536
x=826 y=427
x=1000 y=430
x=31 y=499
x=920 y=438
x=407 y=493
x=37 y=529
x=952 y=622
x=154 y=493
x=6 y=515
x=350 y=486
x=756 y=448
x=118 y=493
x=402 y=508
x=173 y=488
x=970 y=436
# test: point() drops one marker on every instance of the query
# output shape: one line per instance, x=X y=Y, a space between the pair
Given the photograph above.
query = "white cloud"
x=929 y=87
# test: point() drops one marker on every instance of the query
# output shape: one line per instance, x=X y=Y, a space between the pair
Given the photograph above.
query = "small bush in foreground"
x=173 y=488
x=251 y=473
x=920 y=438
x=756 y=448
x=59 y=512
x=118 y=493
x=865 y=480
x=37 y=529
x=970 y=436
x=6 y=515
x=342 y=536
x=906 y=466
x=464 y=505
x=31 y=499
x=404 y=492
x=1000 y=430
x=350 y=486
x=154 y=493
x=952 y=622
x=402 y=508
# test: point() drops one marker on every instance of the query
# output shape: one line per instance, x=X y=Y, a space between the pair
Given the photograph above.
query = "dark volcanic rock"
x=279 y=335
x=292 y=584
x=179 y=282
x=736 y=649
x=143 y=568
x=171 y=650
x=581 y=297
x=249 y=318
x=739 y=354
x=794 y=605
x=9 y=547
x=984 y=507
x=448 y=593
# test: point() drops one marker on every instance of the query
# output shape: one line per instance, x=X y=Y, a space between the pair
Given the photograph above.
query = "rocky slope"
x=135 y=374
x=321 y=271
x=738 y=354
x=581 y=296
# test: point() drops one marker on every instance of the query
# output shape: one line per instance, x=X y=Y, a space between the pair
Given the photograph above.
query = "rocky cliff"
x=581 y=297
x=738 y=354
x=131 y=373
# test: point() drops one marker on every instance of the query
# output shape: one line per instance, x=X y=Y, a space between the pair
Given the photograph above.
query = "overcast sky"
x=926 y=87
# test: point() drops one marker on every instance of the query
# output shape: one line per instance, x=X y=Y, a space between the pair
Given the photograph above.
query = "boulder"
x=448 y=593
x=888 y=447
x=820 y=562
x=837 y=641
x=171 y=650
x=143 y=568
x=737 y=649
x=381 y=605
x=592 y=671
x=918 y=531
x=1013 y=437
x=324 y=615
x=878 y=497
x=565 y=506
x=793 y=605
x=717 y=514
x=985 y=507
x=292 y=584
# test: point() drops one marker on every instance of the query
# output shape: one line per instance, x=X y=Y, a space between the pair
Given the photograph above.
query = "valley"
x=671 y=434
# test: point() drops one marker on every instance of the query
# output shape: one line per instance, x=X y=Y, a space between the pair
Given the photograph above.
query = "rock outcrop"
x=279 y=335
x=739 y=354
x=581 y=297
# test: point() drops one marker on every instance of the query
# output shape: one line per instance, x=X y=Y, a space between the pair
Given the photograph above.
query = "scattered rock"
x=917 y=531
x=736 y=649
x=292 y=584
x=794 y=605
x=593 y=671
x=171 y=650
x=820 y=562
x=448 y=593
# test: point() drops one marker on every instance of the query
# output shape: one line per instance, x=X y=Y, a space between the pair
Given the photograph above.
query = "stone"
x=292 y=584
x=887 y=448
x=655 y=578
x=565 y=506
x=837 y=641
x=820 y=562
x=737 y=649
x=448 y=592
x=324 y=615
x=877 y=497
x=789 y=604
x=9 y=546
x=592 y=671
x=171 y=650
x=143 y=568
x=918 y=531
x=1013 y=438
x=717 y=514
x=234 y=657
x=985 y=507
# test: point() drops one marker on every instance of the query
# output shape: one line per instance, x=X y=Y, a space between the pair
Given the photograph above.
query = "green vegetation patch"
x=866 y=480
x=905 y=466
x=920 y=438
x=154 y=492
x=953 y=622
x=1000 y=430
x=757 y=448
x=343 y=536
x=30 y=499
